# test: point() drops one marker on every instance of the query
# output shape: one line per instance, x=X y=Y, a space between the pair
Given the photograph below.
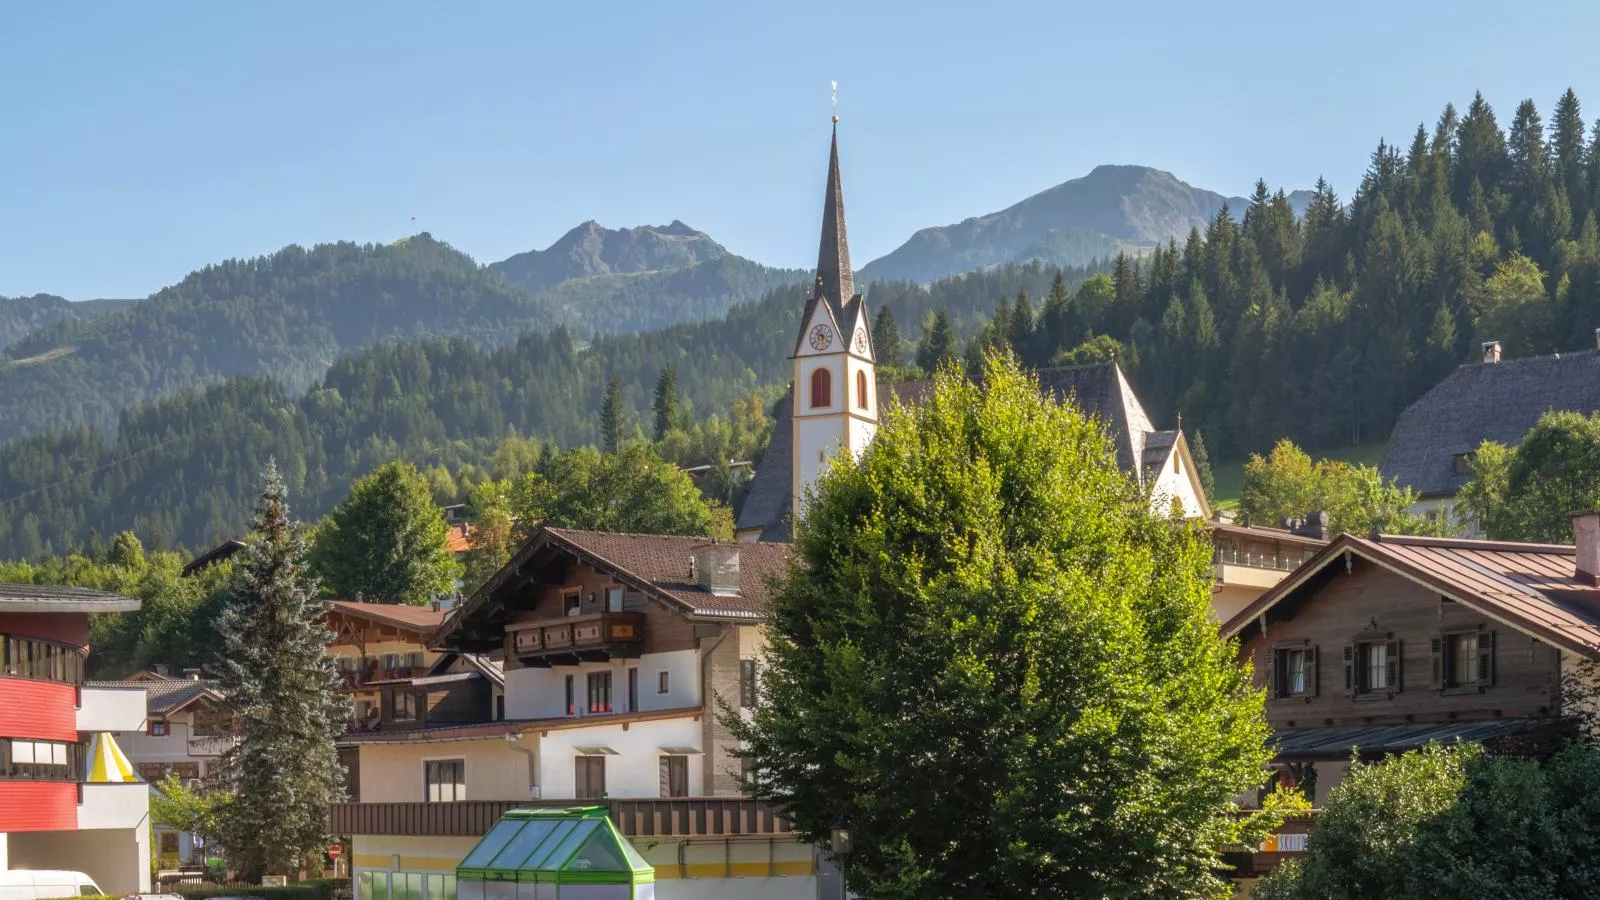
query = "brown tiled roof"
x=662 y=561
x=1530 y=587
x=44 y=598
x=459 y=538
x=1261 y=533
x=425 y=619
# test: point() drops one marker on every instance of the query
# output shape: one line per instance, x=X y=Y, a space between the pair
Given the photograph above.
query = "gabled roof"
x=467 y=663
x=1484 y=402
x=1099 y=390
x=211 y=557
x=424 y=619
x=43 y=598
x=164 y=698
x=656 y=564
x=1529 y=587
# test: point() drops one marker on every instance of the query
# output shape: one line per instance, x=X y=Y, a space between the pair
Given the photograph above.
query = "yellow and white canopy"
x=106 y=761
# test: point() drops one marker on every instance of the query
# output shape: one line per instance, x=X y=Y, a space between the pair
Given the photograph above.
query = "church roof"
x=835 y=285
x=1484 y=402
x=1099 y=390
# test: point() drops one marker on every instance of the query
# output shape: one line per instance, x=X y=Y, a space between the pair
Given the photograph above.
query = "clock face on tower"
x=861 y=341
x=821 y=337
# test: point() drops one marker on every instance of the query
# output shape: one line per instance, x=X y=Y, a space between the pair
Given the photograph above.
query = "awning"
x=680 y=751
x=594 y=751
x=1370 y=739
x=107 y=764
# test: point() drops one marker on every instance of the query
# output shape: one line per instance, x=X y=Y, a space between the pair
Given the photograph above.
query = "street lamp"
x=842 y=845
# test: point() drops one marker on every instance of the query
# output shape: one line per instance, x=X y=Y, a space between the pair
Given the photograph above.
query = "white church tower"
x=835 y=400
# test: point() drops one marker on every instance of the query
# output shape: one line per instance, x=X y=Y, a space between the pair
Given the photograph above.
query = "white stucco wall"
x=118 y=859
x=178 y=745
x=541 y=693
x=1170 y=484
x=635 y=770
x=393 y=773
x=110 y=709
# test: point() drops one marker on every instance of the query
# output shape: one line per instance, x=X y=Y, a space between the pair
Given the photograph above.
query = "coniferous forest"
x=1262 y=325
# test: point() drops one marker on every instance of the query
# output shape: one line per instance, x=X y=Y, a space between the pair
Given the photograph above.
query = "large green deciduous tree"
x=386 y=542
x=993 y=665
x=278 y=684
x=1455 y=822
x=1287 y=483
x=1526 y=493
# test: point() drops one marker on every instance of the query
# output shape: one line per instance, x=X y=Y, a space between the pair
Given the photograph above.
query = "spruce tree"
x=666 y=402
x=611 y=424
x=1022 y=337
x=886 y=341
x=938 y=342
x=1202 y=466
x=1566 y=145
x=277 y=682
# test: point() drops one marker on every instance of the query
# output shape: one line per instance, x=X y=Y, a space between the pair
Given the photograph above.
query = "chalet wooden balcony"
x=570 y=640
x=1287 y=842
x=651 y=817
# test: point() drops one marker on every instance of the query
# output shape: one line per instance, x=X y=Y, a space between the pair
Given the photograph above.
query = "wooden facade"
x=1365 y=604
x=566 y=616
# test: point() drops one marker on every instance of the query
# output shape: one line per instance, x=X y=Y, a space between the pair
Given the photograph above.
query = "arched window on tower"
x=861 y=389
x=821 y=388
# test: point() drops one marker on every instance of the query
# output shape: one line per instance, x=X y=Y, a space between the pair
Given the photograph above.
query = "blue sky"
x=143 y=140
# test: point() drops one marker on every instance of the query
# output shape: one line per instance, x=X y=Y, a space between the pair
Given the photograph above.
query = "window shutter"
x=1349 y=668
x=666 y=776
x=1436 y=652
x=1395 y=669
x=1270 y=664
x=1485 y=658
x=1311 y=671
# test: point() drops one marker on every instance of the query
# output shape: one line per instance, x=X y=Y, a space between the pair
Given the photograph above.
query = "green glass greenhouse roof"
x=565 y=846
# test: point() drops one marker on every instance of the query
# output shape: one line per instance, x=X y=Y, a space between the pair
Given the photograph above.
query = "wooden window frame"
x=664 y=682
x=747 y=683
x=433 y=771
x=674 y=775
x=572 y=695
x=821 y=388
x=861 y=389
x=600 y=694
x=633 y=689
x=579 y=782
x=1357 y=666
x=571 y=602
x=1443 y=651
x=158 y=728
x=1278 y=671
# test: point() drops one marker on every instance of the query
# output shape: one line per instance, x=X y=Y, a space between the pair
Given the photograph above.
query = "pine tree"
x=938 y=342
x=1480 y=150
x=1202 y=466
x=886 y=340
x=278 y=683
x=611 y=421
x=1566 y=145
x=1022 y=337
x=666 y=402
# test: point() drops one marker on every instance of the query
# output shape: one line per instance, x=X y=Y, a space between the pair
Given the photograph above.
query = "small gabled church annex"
x=833 y=403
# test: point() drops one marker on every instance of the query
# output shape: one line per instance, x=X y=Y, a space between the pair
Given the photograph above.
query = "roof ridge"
x=1421 y=540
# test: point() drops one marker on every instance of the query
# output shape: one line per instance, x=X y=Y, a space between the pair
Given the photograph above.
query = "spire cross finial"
x=835 y=98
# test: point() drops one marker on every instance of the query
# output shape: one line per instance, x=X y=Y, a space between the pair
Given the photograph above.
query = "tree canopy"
x=993 y=665
x=386 y=542
x=1288 y=484
x=1526 y=493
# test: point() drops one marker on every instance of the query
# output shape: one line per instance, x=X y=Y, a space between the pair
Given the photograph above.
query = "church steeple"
x=834 y=278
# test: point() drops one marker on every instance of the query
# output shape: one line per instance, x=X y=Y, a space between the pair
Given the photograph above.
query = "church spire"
x=834 y=278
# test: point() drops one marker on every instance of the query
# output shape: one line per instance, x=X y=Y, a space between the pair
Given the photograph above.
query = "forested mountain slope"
x=182 y=470
x=288 y=316
x=21 y=315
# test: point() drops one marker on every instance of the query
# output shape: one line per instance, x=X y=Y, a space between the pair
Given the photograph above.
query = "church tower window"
x=821 y=388
x=861 y=389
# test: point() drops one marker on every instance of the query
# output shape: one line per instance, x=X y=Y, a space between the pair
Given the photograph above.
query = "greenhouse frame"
x=555 y=854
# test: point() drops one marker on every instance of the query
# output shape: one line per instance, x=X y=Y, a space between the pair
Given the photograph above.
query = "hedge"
x=311 y=889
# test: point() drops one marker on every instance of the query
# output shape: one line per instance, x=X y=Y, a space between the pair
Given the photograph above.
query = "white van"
x=45 y=884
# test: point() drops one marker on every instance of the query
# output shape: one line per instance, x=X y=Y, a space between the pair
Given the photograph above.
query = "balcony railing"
x=349 y=680
x=571 y=639
x=1232 y=556
x=653 y=817
x=1287 y=842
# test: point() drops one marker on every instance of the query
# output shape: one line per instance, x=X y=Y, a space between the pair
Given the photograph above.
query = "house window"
x=152 y=772
x=158 y=728
x=664 y=683
x=572 y=602
x=821 y=388
x=599 y=692
x=1296 y=672
x=414 y=659
x=188 y=771
x=590 y=777
x=1462 y=670
x=403 y=703
x=614 y=599
x=1372 y=667
x=861 y=390
x=572 y=706
x=674 y=776
x=747 y=683
x=633 y=689
x=444 y=780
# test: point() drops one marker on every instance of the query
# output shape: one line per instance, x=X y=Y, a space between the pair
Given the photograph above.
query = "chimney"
x=1314 y=525
x=1586 y=536
x=192 y=674
x=716 y=568
x=160 y=669
x=1491 y=351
